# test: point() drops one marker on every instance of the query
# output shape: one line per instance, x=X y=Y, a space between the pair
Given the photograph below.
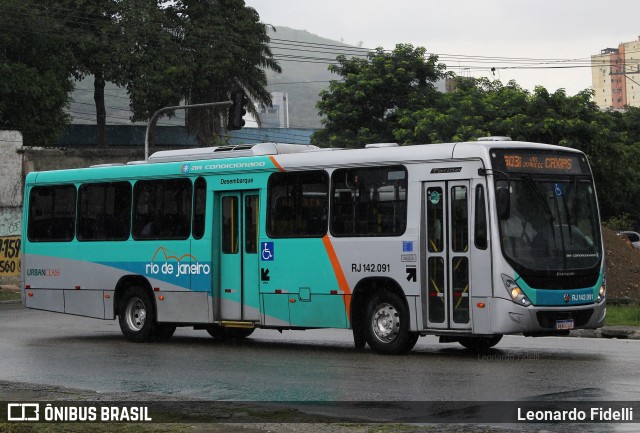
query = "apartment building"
x=277 y=115
x=615 y=74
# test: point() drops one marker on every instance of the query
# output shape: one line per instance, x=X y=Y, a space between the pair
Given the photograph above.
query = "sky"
x=535 y=42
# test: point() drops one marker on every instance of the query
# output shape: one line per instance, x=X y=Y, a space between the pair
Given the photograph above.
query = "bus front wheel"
x=137 y=316
x=387 y=324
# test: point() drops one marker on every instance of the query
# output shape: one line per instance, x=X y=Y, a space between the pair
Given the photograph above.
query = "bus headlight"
x=516 y=293
x=603 y=291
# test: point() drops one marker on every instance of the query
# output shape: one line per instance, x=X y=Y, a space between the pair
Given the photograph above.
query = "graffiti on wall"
x=10 y=221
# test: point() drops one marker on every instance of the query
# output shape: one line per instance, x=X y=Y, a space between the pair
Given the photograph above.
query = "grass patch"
x=8 y=295
x=623 y=315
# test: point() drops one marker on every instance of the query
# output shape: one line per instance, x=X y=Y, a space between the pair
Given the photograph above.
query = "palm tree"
x=225 y=49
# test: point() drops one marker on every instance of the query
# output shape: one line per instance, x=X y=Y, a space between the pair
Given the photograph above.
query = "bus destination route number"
x=537 y=162
x=533 y=162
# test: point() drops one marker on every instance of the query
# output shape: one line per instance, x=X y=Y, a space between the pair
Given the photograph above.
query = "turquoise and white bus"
x=465 y=241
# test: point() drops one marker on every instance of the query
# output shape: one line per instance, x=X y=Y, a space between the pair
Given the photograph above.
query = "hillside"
x=623 y=267
x=303 y=56
x=304 y=59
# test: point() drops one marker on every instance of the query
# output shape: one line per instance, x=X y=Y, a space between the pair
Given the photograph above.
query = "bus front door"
x=445 y=294
x=237 y=241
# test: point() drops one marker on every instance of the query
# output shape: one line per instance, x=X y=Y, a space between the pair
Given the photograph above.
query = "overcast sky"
x=553 y=30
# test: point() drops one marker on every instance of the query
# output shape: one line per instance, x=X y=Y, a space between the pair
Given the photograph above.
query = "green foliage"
x=34 y=87
x=379 y=100
x=364 y=106
x=619 y=222
x=210 y=49
x=623 y=315
x=166 y=52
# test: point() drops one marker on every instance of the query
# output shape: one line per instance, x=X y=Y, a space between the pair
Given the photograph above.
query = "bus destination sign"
x=531 y=161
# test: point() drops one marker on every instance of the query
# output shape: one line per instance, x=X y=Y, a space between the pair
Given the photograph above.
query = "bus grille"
x=547 y=319
x=561 y=283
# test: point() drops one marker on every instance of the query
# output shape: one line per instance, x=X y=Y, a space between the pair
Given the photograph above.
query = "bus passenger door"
x=237 y=241
x=445 y=294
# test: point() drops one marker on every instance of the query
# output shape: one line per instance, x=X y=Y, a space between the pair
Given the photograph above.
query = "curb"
x=16 y=301
x=619 y=332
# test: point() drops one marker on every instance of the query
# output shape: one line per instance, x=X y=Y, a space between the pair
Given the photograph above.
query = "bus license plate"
x=564 y=324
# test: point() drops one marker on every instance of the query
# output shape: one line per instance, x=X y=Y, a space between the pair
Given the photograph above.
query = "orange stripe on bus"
x=337 y=269
x=278 y=166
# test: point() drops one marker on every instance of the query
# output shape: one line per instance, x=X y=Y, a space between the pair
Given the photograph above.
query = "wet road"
x=49 y=348
x=316 y=365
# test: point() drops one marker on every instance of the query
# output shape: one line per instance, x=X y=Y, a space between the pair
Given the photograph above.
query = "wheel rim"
x=386 y=323
x=136 y=314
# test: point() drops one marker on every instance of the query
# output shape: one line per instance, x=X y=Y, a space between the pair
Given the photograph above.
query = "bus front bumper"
x=510 y=318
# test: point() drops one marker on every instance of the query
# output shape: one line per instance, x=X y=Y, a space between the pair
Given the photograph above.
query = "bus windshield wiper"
x=529 y=183
x=566 y=207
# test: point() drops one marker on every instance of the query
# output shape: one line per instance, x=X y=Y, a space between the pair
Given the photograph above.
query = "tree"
x=364 y=106
x=219 y=46
x=376 y=102
x=103 y=36
x=34 y=88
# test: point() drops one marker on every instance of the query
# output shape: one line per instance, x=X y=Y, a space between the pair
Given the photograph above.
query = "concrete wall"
x=10 y=183
x=10 y=205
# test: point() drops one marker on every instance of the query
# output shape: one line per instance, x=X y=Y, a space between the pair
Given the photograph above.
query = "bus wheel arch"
x=134 y=304
x=380 y=316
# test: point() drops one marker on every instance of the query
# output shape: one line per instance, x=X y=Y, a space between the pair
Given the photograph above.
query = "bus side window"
x=369 y=201
x=199 y=207
x=104 y=211
x=162 y=209
x=480 y=218
x=297 y=204
x=52 y=211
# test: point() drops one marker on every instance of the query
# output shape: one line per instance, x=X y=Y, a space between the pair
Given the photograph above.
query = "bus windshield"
x=549 y=224
x=547 y=210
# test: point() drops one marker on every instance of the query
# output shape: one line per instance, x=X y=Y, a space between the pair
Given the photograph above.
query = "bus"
x=465 y=241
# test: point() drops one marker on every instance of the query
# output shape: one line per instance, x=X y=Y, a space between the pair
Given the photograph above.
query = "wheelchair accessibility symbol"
x=266 y=251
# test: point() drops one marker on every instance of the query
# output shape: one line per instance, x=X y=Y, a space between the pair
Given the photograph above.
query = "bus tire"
x=413 y=339
x=359 y=339
x=386 y=324
x=480 y=344
x=137 y=316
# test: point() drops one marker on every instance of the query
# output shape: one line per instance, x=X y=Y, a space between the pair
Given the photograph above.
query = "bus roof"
x=280 y=156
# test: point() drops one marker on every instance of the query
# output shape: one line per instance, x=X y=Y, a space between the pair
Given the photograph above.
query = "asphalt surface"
x=66 y=357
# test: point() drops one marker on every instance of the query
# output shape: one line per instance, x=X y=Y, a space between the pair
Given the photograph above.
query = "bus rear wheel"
x=137 y=317
x=386 y=326
x=480 y=344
